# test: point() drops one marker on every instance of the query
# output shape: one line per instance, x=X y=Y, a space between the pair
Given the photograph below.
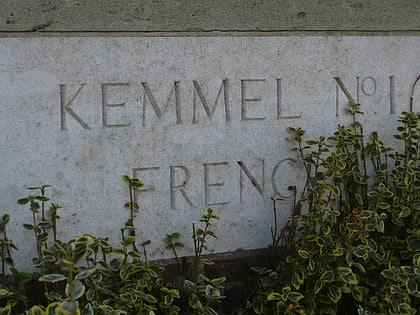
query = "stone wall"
x=192 y=97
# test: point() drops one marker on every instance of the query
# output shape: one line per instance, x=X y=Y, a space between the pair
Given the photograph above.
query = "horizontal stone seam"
x=5 y=34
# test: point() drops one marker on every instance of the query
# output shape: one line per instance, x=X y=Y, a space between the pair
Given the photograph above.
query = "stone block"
x=200 y=120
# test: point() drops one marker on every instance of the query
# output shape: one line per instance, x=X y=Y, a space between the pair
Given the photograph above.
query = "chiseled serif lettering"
x=199 y=95
x=366 y=86
x=159 y=111
x=105 y=105
x=208 y=183
x=179 y=184
x=244 y=170
x=66 y=109
x=246 y=99
x=287 y=162
x=279 y=103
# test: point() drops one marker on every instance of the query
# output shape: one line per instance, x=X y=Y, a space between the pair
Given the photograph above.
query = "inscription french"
x=214 y=176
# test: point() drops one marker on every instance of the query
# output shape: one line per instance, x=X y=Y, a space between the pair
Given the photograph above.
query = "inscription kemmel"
x=201 y=121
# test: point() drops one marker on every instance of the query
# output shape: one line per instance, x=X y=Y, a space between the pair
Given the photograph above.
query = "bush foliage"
x=353 y=239
x=355 y=230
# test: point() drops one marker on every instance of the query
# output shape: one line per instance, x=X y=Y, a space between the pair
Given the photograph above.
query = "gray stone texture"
x=209 y=15
x=201 y=120
x=91 y=90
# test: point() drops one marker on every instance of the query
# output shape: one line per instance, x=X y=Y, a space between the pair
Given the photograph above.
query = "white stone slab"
x=194 y=118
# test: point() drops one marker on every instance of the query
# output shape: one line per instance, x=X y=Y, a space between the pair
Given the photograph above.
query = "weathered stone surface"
x=200 y=120
x=204 y=15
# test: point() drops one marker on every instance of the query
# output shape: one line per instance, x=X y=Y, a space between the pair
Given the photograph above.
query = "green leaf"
x=295 y=280
x=191 y=285
x=85 y=274
x=388 y=274
x=5 y=218
x=357 y=294
x=23 y=201
x=311 y=265
x=318 y=286
x=303 y=253
x=87 y=310
x=344 y=271
x=408 y=270
x=53 y=296
x=212 y=233
x=274 y=296
x=52 y=277
x=258 y=306
x=294 y=296
x=416 y=260
x=414 y=245
x=43 y=238
x=212 y=292
x=337 y=252
x=365 y=214
x=148 y=297
x=372 y=245
x=52 y=307
x=351 y=279
x=412 y=288
x=360 y=251
x=118 y=251
x=396 y=290
x=194 y=302
x=217 y=281
x=28 y=226
x=5 y=293
x=48 y=259
x=34 y=310
x=334 y=293
x=327 y=276
x=79 y=290
x=208 y=311
x=168 y=299
x=65 y=263
x=286 y=290
x=405 y=212
x=70 y=306
x=384 y=205
x=44 y=224
x=360 y=267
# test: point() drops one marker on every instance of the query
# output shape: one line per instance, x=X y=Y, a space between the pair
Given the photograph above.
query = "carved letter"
x=413 y=91
x=65 y=107
x=244 y=169
x=210 y=110
x=208 y=184
x=159 y=113
x=279 y=107
x=345 y=91
x=105 y=104
x=273 y=175
x=246 y=100
x=136 y=172
x=180 y=186
x=366 y=90
x=392 y=95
